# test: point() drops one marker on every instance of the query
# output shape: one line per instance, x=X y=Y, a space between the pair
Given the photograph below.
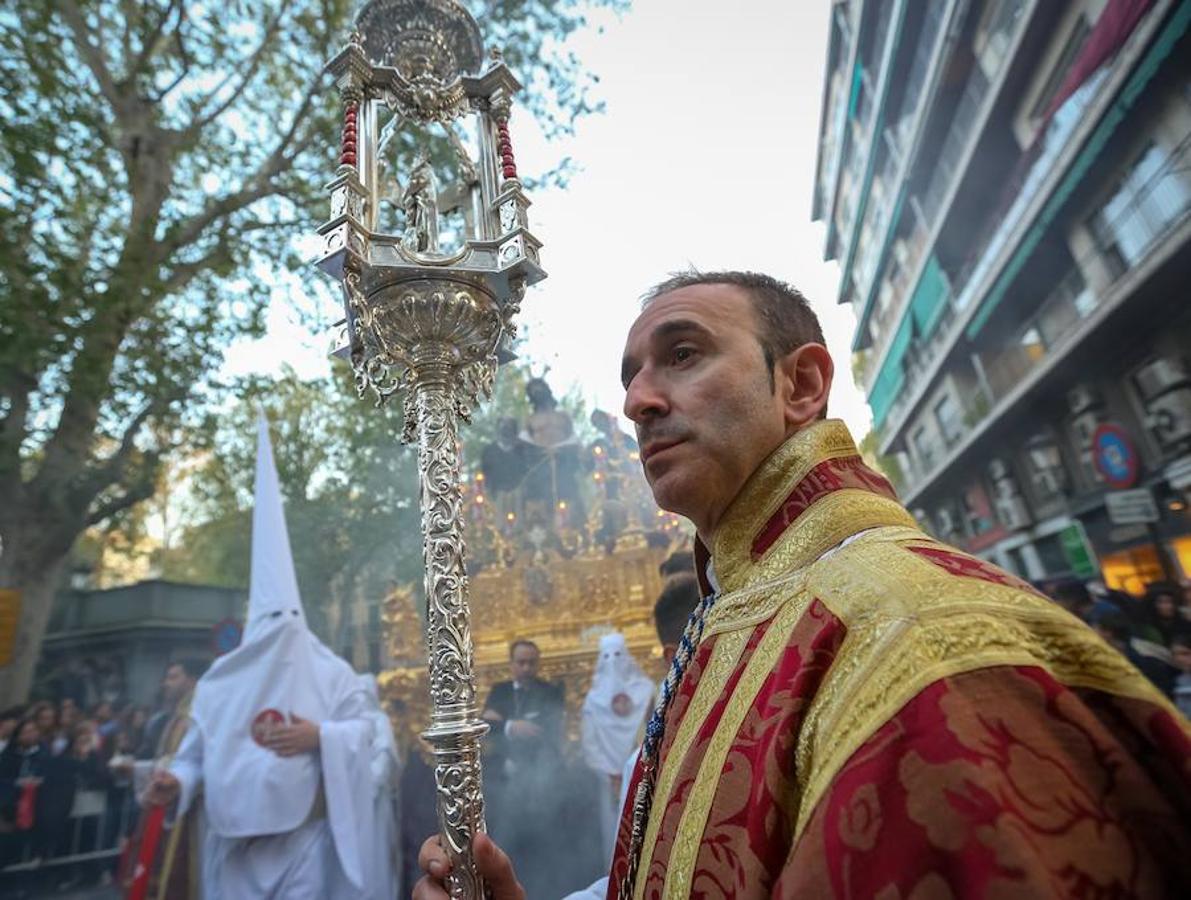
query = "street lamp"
x=429 y=323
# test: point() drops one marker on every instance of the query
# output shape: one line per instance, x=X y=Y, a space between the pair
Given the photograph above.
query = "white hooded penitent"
x=614 y=707
x=281 y=669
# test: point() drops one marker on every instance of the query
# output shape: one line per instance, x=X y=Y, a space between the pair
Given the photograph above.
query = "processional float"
x=429 y=322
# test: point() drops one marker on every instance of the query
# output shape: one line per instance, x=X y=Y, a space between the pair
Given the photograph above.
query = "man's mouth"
x=653 y=448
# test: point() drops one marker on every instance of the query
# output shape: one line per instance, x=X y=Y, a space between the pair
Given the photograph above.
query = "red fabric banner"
x=146 y=853
x=27 y=806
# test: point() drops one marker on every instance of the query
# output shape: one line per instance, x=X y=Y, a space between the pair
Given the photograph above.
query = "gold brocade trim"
x=681 y=865
x=762 y=495
x=724 y=658
x=171 y=849
x=824 y=525
x=909 y=624
x=168 y=744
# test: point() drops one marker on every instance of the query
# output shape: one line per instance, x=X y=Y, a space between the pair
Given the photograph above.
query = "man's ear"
x=803 y=377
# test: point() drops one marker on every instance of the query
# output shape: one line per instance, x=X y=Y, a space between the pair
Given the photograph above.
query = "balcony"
x=907 y=254
x=1054 y=325
x=1064 y=320
x=963 y=134
x=998 y=237
x=895 y=140
x=920 y=363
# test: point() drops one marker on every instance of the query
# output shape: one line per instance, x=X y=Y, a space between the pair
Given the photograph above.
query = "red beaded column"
x=347 y=152
x=504 y=147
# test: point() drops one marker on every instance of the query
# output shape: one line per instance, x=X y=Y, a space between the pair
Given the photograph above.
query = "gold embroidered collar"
x=813 y=492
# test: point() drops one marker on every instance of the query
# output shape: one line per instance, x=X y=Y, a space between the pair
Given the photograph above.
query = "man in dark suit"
x=523 y=760
x=526 y=716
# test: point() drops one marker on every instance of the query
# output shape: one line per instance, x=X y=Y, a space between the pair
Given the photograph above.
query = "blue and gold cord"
x=655 y=731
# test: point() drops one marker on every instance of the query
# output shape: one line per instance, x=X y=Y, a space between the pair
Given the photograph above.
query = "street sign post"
x=1114 y=456
x=1134 y=507
x=1078 y=552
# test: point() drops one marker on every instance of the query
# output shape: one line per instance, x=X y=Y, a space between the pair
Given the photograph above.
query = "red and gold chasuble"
x=165 y=869
x=894 y=718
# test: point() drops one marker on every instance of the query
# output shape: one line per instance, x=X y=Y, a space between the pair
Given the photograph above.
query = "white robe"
x=322 y=857
x=379 y=848
x=609 y=737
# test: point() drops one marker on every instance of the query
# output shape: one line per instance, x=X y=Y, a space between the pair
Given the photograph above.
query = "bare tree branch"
x=92 y=55
x=110 y=469
x=149 y=46
x=202 y=120
x=160 y=95
x=183 y=56
x=257 y=185
x=138 y=490
x=13 y=429
x=130 y=10
x=182 y=273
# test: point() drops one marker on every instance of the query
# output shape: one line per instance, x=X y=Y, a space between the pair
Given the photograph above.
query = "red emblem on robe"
x=265 y=722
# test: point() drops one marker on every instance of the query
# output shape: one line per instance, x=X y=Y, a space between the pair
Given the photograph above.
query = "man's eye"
x=682 y=354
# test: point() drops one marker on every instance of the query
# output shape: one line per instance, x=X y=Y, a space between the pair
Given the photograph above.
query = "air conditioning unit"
x=1082 y=397
x=1012 y=512
x=1169 y=417
x=1161 y=375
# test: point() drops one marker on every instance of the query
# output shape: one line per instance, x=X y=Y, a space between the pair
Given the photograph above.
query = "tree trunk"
x=37 y=582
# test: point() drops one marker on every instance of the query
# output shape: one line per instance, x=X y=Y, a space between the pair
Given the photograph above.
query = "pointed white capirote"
x=273 y=590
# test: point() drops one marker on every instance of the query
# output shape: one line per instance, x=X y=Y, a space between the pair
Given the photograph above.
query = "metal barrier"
x=105 y=841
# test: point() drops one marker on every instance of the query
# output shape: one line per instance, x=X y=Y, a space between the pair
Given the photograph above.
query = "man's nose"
x=644 y=398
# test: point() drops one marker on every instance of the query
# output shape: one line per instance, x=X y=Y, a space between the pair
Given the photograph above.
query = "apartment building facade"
x=1007 y=187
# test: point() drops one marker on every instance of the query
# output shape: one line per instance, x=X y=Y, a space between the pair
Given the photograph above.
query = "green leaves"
x=158 y=161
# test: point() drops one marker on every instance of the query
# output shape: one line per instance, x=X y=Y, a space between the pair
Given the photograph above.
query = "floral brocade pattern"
x=735 y=824
x=926 y=726
x=1003 y=783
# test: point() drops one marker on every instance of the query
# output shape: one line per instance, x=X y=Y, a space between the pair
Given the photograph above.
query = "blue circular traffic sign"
x=225 y=636
x=1114 y=456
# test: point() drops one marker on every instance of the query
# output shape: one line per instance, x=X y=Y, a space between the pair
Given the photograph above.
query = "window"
x=978 y=514
x=950 y=422
x=1062 y=311
x=1001 y=18
x=1058 y=74
x=1151 y=196
x=924 y=448
x=884 y=299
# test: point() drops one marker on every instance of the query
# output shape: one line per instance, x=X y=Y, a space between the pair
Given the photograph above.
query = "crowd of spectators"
x=1153 y=631
x=65 y=785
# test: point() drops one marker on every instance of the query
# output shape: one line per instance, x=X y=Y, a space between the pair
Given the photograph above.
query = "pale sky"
x=705 y=156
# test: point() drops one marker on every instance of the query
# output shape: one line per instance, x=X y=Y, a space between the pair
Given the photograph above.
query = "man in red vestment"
x=857 y=710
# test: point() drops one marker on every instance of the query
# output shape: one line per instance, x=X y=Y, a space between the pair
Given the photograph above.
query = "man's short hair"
x=1070 y=593
x=191 y=665
x=680 y=562
x=523 y=642
x=1116 y=625
x=678 y=599
x=785 y=320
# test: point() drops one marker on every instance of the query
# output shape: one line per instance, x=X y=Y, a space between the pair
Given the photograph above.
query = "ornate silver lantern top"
x=421 y=62
x=430 y=45
x=420 y=36
x=429 y=322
